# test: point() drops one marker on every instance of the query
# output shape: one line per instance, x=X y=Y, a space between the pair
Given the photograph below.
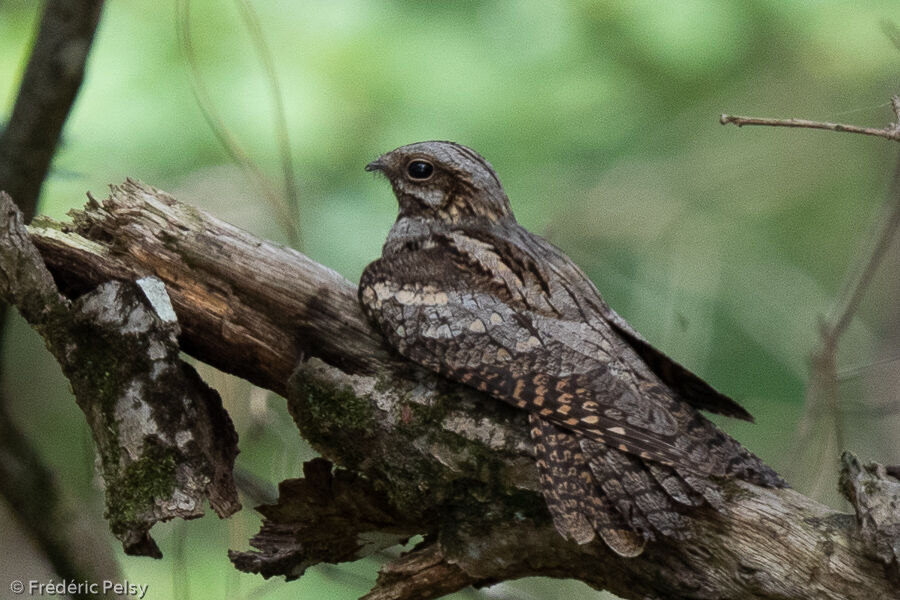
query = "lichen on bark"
x=165 y=442
x=416 y=440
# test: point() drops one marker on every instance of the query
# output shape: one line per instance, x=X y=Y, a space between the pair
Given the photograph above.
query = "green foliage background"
x=723 y=246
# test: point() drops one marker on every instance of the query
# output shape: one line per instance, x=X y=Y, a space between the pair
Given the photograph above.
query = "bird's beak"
x=375 y=165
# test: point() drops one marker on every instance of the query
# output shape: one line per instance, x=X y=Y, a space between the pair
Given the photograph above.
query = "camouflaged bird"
x=462 y=289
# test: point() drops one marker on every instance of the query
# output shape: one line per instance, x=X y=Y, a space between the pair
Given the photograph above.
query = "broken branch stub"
x=164 y=440
x=327 y=516
x=876 y=499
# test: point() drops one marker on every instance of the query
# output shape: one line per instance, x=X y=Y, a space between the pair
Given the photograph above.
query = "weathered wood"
x=165 y=443
x=248 y=306
x=455 y=464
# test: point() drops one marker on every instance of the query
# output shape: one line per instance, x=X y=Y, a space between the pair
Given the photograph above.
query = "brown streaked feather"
x=689 y=387
x=514 y=355
x=577 y=506
x=541 y=394
x=675 y=485
x=634 y=492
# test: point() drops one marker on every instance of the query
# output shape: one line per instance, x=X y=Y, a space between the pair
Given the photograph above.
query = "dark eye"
x=420 y=169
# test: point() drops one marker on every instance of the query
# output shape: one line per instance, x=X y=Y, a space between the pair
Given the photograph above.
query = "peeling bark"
x=420 y=575
x=876 y=501
x=164 y=440
x=454 y=464
x=324 y=517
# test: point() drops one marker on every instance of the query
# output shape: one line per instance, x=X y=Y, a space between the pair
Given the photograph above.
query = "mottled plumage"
x=463 y=290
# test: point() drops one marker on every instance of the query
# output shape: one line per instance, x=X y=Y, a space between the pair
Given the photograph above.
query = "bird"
x=622 y=449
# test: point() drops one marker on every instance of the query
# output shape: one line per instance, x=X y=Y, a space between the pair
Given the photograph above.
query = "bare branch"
x=890 y=132
x=48 y=90
x=27 y=145
x=251 y=308
x=822 y=397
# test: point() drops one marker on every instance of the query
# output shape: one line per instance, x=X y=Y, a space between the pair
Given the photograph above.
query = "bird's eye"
x=420 y=169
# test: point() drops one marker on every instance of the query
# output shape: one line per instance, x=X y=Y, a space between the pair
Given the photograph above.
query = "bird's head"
x=443 y=181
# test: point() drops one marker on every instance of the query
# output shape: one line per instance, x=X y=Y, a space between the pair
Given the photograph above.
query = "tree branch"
x=27 y=144
x=891 y=132
x=822 y=397
x=456 y=465
x=164 y=441
x=876 y=499
x=52 y=78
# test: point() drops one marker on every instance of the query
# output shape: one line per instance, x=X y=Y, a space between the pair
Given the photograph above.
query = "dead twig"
x=822 y=397
x=284 y=202
x=891 y=132
x=419 y=575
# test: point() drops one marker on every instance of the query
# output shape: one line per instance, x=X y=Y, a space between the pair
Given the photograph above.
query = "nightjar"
x=462 y=289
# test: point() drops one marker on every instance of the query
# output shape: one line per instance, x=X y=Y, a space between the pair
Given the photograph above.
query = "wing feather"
x=460 y=309
x=478 y=340
x=690 y=388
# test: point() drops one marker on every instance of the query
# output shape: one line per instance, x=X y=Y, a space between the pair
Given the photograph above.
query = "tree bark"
x=419 y=455
x=164 y=441
x=48 y=90
x=28 y=142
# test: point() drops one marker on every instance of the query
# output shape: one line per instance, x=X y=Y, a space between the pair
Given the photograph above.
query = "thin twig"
x=891 y=132
x=284 y=205
x=291 y=190
x=857 y=371
x=822 y=392
x=843 y=312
